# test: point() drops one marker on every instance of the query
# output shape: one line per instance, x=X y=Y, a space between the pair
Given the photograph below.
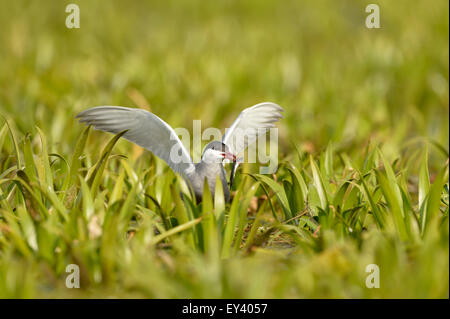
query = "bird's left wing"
x=144 y=129
x=250 y=124
x=253 y=122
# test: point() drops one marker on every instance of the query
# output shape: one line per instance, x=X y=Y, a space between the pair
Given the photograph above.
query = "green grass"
x=363 y=150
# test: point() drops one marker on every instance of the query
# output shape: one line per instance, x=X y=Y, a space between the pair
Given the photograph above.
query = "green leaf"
x=30 y=167
x=256 y=224
x=375 y=211
x=328 y=161
x=388 y=188
x=243 y=208
x=299 y=185
x=180 y=211
x=318 y=182
x=88 y=202
x=16 y=147
x=209 y=221
x=231 y=221
x=219 y=199
x=96 y=175
x=28 y=229
x=392 y=182
x=424 y=178
x=175 y=230
x=75 y=162
x=46 y=176
x=433 y=202
x=279 y=193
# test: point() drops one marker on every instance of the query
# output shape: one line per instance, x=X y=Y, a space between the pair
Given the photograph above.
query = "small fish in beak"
x=229 y=156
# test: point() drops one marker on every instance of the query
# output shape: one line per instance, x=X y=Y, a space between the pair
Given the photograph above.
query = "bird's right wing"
x=144 y=129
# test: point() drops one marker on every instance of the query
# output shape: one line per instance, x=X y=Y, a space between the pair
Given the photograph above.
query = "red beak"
x=229 y=156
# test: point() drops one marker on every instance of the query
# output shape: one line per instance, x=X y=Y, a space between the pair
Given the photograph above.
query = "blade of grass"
x=14 y=141
x=318 y=182
x=424 y=178
x=175 y=230
x=96 y=175
x=231 y=222
x=46 y=175
x=243 y=209
x=433 y=201
x=388 y=189
x=75 y=162
x=279 y=192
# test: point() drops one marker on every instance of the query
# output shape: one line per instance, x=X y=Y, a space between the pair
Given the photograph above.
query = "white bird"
x=152 y=133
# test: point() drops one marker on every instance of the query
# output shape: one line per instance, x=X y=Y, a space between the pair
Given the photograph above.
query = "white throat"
x=211 y=156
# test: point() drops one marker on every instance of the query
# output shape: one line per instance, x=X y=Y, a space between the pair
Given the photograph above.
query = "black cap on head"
x=217 y=146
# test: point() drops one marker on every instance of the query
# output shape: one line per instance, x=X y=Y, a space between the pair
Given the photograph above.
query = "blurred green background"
x=338 y=82
x=207 y=60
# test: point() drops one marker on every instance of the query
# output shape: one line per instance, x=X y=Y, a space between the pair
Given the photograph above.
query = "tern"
x=152 y=133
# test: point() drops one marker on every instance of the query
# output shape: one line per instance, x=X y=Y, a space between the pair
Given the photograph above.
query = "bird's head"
x=216 y=152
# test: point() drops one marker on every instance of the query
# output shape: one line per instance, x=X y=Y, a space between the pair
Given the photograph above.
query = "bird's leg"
x=233 y=168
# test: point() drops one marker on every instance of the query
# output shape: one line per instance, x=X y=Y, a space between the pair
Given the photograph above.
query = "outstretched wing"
x=144 y=129
x=251 y=123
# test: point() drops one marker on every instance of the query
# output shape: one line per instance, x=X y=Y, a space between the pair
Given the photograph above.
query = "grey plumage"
x=149 y=131
x=209 y=172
